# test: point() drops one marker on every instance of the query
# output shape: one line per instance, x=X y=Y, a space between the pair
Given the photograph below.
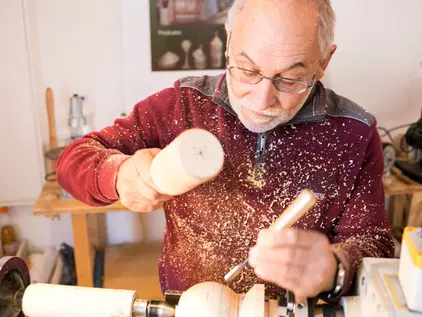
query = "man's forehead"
x=278 y=16
x=275 y=61
x=264 y=36
x=282 y=53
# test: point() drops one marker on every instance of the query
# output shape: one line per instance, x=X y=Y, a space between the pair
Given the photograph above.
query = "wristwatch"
x=339 y=280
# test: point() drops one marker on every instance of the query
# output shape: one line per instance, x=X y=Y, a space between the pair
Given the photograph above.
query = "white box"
x=410 y=270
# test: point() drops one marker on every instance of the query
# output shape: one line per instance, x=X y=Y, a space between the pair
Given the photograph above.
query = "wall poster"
x=188 y=34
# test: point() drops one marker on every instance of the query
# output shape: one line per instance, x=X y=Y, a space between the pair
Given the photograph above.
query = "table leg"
x=415 y=211
x=83 y=250
x=97 y=231
x=400 y=207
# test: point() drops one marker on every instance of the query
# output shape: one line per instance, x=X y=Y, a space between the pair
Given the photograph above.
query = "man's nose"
x=264 y=95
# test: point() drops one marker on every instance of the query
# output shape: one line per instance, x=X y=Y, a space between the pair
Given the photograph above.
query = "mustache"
x=266 y=112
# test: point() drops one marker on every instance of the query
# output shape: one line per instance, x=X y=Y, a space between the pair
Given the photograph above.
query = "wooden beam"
x=84 y=255
x=97 y=231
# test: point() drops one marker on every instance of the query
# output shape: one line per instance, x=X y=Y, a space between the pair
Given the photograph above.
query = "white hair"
x=326 y=25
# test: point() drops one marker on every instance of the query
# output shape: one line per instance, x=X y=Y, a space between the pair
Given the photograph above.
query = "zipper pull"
x=258 y=169
x=260 y=148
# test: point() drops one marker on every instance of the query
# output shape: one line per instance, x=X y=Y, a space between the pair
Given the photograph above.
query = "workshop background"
x=100 y=49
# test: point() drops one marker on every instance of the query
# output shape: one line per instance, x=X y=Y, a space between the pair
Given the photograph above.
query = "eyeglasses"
x=284 y=84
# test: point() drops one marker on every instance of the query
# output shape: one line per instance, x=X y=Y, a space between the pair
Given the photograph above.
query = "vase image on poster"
x=216 y=51
x=199 y=58
x=168 y=60
x=188 y=34
x=186 y=46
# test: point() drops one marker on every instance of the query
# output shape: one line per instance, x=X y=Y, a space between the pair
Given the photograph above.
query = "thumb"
x=300 y=300
x=144 y=160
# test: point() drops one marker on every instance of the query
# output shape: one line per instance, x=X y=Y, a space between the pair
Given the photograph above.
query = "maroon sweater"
x=331 y=146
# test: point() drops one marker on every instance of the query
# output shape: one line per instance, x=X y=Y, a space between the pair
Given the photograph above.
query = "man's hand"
x=134 y=184
x=296 y=260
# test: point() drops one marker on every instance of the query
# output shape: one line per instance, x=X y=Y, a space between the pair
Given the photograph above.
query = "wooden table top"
x=399 y=184
x=50 y=204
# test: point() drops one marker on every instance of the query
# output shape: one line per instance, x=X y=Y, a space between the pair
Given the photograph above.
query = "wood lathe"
x=19 y=298
x=384 y=287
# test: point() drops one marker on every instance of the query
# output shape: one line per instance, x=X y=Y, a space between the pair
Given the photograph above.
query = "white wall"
x=41 y=231
x=378 y=62
x=20 y=185
x=101 y=49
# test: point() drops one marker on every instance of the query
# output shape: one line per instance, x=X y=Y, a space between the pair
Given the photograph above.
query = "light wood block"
x=212 y=299
x=252 y=303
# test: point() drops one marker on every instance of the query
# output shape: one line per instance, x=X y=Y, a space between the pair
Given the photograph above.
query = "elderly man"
x=281 y=131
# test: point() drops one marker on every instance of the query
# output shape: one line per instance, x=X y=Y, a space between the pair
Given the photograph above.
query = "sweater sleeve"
x=363 y=230
x=87 y=168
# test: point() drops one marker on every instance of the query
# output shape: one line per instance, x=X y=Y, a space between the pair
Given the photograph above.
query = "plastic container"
x=410 y=270
x=8 y=238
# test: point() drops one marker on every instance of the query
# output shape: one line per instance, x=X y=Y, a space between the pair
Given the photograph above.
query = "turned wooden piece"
x=212 y=299
x=193 y=158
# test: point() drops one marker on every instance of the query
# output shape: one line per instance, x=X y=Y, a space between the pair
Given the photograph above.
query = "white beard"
x=265 y=120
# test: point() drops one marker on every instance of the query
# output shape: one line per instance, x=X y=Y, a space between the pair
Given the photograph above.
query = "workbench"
x=134 y=266
x=406 y=202
x=127 y=266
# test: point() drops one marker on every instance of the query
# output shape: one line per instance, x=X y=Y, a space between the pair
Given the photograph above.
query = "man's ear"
x=327 y=61
x=330 y=55
x=226 y=27
x=228 y=35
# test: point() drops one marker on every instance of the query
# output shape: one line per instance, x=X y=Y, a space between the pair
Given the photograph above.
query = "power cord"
x=388 y=133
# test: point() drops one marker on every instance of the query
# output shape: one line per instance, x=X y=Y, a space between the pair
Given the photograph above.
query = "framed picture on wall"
x=188 y=34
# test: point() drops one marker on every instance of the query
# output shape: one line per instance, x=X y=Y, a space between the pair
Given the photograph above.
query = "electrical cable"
x=388 y=134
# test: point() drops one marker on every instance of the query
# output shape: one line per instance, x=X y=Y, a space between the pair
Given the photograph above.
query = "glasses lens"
x=245 y=76
x=290 y=85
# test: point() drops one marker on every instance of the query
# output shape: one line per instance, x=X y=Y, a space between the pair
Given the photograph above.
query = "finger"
x=289 y=255
x=134 y=204
x=146 y=192
x=143 y=169
x=318 y=278
x=144 y=159
x=159 y=205
x=300 y=299
x=270 y=237
x=287 y=277
x=135 y=192
x=141 y=208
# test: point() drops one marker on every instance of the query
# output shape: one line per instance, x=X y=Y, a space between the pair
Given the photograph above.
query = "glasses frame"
x=272 y=79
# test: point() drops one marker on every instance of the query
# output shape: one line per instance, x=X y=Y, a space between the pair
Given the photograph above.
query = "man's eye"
x=287 y=82
x=249 y=73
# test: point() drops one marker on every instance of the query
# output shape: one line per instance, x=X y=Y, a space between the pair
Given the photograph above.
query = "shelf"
x=50 y=203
